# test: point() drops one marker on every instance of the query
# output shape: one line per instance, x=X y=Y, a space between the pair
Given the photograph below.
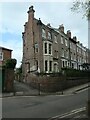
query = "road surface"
x=42 y=106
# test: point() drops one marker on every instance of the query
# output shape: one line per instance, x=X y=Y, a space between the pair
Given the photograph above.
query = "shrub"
x=69 y=72
x=10 y=63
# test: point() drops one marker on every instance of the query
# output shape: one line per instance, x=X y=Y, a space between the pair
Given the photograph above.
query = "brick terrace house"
x=5 y=54
x=47 y=49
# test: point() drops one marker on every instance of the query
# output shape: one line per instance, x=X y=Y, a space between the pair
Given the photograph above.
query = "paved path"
x=24 y=89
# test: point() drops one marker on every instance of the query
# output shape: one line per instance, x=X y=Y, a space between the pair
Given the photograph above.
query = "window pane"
x=49 y=48
x=61 y=39
x=46 y=65
x=45 y=48
x=50 y=65
x=49 y=35
x=55 y=38
x=43 y=33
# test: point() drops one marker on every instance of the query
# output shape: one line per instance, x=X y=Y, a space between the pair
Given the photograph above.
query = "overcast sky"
x=14 y=15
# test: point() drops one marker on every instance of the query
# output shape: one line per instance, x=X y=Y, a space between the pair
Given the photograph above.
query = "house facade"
x=47 y=49
x=5 y=54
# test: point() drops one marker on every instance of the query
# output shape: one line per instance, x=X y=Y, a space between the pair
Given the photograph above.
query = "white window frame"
x=47 y=47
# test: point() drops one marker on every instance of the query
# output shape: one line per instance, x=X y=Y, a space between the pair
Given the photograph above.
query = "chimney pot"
x=31 y=9
x=48 y=25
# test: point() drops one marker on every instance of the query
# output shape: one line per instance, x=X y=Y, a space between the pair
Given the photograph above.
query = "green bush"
x=69 y=72
x=10 y=63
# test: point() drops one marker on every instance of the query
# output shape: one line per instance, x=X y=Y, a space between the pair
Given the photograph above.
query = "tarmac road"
x=42 y=106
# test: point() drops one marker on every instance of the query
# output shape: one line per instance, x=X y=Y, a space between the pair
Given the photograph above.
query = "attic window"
x=49 y=35
x=43 y=33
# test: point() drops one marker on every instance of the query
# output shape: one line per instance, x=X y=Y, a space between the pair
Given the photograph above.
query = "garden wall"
x=55 y=83
x=7 y=80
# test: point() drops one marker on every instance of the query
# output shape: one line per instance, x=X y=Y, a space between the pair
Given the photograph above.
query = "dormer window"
x=66 y=42
x=62 y=42
x=55 y=38
x=43 y=33
x=49 y=35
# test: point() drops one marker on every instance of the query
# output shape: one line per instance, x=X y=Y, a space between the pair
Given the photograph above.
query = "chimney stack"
x=69 y=33
x=74 y=38
x=31 y=13
x=61 y=28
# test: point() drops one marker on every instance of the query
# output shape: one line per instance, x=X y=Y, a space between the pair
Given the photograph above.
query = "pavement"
x=26 y=90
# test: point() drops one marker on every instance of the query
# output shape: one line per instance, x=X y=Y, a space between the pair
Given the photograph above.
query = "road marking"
x=68 y=113
x=73 y=112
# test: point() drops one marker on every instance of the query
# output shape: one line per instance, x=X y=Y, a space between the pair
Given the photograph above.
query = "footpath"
x=25 y=90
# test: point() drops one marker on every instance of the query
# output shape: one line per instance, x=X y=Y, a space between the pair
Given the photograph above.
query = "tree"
x=18 y=73
x=10 y=63
x=78 y=6
x=85 y=6
x=86 y=66
x=19 y=70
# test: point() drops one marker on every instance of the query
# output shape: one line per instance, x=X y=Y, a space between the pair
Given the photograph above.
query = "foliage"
x=86 y=66
x=49 y=74
x=79 y=5
x=10 y=63
x=75 y=73
x=19 y=70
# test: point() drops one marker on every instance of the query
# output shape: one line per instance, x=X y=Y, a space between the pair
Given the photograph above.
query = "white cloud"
x=37 y=0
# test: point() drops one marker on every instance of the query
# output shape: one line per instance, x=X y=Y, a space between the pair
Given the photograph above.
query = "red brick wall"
x=6 y=55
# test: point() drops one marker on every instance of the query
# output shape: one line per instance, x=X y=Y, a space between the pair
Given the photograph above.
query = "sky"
x=13 y=16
